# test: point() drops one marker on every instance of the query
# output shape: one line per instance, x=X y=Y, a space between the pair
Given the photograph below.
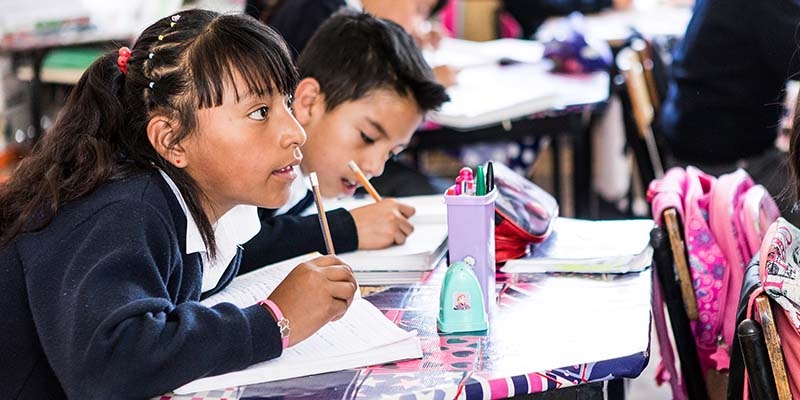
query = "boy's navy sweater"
x=289 y=235
x=724 y=100
x=103 y=303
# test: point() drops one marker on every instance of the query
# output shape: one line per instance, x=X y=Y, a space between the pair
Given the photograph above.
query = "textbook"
x=362 y=337
x=408 y=262
x=584 y=246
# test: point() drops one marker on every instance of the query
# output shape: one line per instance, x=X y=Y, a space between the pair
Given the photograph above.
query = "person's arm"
x=115 y=309
x=286 y=236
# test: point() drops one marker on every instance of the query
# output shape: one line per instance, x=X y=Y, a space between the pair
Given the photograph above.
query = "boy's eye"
x=367 y=139
x=260 y=114
x=394 y=154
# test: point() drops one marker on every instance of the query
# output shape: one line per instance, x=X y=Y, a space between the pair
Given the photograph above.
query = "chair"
x=761 y=355
x=672 y=271
x=639 y=110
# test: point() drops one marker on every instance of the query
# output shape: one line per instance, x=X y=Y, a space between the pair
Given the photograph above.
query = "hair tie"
x=122 y=60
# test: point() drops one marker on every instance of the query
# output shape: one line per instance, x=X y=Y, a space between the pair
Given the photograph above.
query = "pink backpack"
x=779 y=273
x=724 y=220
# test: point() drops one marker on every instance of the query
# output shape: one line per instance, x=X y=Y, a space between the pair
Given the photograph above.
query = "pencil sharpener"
x=461 y=305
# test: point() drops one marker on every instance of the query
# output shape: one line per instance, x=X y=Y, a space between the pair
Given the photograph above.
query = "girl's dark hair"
x=794 y=151
x=179 y=65
x=353 y=53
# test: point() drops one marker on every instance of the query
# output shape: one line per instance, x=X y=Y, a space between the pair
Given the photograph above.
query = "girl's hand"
x=382 y=224
x=313 y=294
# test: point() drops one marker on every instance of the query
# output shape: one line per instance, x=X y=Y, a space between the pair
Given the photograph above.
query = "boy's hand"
x=446 y=75
x=313 y=294
x=382 y=224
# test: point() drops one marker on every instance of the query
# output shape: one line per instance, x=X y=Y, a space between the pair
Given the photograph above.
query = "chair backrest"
x=639 y=114
x=761 y=355
x=672 y=280
x=650 y=65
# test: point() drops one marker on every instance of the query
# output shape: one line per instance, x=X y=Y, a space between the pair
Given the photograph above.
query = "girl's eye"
x=367 y=139
x=289 y=102
x=260 y=114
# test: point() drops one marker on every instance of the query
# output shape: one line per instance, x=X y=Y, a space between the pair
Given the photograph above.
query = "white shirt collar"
x=235 y=227
x=356 y=4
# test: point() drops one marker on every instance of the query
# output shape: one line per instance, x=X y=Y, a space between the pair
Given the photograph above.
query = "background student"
x=364 y=89
x=297 y=20
x=724 y=101
x=129 y=210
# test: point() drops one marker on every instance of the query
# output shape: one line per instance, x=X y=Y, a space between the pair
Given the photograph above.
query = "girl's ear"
x=161 y=132
x=308 y=101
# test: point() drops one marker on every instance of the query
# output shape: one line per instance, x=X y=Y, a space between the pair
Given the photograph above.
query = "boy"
x=364 y=89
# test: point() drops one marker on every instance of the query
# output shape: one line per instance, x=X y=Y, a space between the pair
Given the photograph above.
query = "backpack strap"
x=759 y=211
x=667 y=192
x=727 y=197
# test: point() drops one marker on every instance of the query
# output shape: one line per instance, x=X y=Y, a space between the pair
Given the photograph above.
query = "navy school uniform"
x=103 y=302
x=285 y=233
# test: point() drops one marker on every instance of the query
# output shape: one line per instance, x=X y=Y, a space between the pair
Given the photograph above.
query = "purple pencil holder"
x=470 y=238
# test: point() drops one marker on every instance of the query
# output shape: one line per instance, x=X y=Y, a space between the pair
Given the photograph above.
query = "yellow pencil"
x=323 y=220
x=364 y=181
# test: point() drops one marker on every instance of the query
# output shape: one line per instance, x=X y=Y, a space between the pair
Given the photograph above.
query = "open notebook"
x=585 y=246
x=362 y=337
x=408 y=262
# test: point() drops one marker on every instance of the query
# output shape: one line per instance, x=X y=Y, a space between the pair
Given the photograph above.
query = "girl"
x=131 y=209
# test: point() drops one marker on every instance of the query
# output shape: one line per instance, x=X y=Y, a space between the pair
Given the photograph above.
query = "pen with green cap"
x=480 y=181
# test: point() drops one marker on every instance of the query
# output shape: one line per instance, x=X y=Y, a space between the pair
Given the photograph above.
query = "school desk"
x=652 y=18
x=577 y=102
x=549 y=337
x=34 y=47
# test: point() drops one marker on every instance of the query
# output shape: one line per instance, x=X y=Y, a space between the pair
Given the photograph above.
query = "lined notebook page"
x=362 y=337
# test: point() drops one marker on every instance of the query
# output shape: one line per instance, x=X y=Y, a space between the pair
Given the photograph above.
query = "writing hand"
x=313 y=294
x=382 y=224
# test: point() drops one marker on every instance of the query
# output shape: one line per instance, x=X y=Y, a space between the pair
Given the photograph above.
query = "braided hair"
x=179 y=65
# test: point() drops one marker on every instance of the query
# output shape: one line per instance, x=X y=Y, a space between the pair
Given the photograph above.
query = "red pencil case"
x=524 y=214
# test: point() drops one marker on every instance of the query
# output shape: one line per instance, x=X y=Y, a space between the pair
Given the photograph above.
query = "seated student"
x=364 y=89
x=724 y=100
x=130 y=208
x=297 y=20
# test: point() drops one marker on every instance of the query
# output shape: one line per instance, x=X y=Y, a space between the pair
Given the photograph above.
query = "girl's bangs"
x=253 y=51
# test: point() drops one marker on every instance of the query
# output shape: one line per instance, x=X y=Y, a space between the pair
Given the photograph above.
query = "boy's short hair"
x=353 y=53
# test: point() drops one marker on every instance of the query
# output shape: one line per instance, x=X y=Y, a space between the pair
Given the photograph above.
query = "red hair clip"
x=122 y=60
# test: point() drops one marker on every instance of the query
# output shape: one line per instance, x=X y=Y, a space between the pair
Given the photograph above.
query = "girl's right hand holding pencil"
x=313 y=294
x=382 y=224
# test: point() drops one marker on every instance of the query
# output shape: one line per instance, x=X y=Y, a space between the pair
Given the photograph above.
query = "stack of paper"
x=362 y=337
x=585 y=246
x=411 y=261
